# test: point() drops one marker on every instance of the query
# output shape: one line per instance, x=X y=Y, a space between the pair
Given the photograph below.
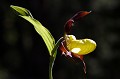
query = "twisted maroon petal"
x=79 y=15
x=76 y=17
x=68 y=26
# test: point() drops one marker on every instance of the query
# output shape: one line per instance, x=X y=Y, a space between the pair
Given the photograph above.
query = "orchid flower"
x=72 y=47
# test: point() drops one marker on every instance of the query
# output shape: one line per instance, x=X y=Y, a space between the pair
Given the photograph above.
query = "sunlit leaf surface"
x=41 y=30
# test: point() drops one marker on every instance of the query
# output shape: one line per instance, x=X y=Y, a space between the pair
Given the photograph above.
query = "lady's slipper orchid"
x=73 y=47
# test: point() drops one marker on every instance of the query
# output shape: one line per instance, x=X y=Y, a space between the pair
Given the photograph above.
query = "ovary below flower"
x=79 y=47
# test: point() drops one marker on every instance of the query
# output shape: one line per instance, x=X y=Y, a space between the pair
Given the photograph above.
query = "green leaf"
x=41 y=30
x=21 y=10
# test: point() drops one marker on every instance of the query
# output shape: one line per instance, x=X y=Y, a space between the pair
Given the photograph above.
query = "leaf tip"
x=12 y=6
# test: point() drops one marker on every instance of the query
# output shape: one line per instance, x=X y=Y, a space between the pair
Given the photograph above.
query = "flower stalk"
x=53 y=57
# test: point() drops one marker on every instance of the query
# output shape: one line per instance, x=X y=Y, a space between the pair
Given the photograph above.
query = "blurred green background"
x=23 y=54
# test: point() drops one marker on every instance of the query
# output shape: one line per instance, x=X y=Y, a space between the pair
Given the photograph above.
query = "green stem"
x=53 y=56
x=52 y=59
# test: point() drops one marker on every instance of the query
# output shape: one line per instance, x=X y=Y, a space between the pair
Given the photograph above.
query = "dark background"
x=23 y=54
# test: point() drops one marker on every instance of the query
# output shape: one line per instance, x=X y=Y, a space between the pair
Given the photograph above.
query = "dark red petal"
x=76 y=17
x=78 y=56
x=62 y=48
x=68 y=26
x=81 y=58
x=84 y=66
x=79 y=15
